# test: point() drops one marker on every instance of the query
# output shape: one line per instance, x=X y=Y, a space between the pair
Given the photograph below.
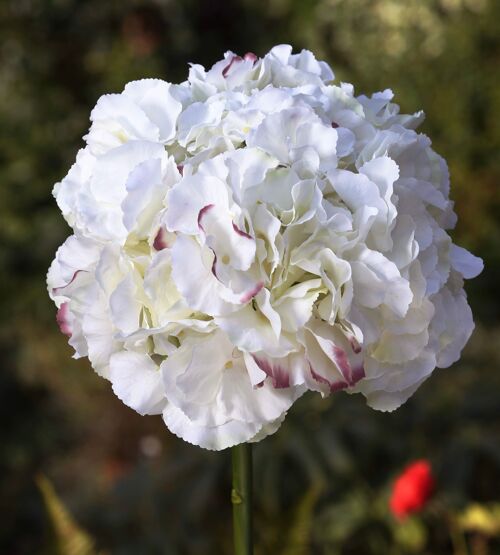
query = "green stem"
x=241 y=498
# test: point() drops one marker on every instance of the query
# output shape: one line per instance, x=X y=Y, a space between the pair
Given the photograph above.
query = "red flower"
x=412 y=489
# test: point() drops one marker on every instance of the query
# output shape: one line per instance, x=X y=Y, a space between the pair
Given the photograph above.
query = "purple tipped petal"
x=241 y=232
x=251 y=294
x=160 y=241
x=62 y=318
x=340 y=358
x=356 y=347
x=228 y=67
x=317 y=377
x=338 y=386
x=277 y=373
x=334 y=386
x=202 y=213
x=214 y=265
x=250 y=56
x=357 y=374
x=60 y=290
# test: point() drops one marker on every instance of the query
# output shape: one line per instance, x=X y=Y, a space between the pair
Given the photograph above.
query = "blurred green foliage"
x=323 y=481
x=69 y=538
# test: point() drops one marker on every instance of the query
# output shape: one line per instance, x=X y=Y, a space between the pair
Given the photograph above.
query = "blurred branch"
x=70 y=538
x=299 y=538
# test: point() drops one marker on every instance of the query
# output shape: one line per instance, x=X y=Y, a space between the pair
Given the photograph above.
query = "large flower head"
x=253 y=233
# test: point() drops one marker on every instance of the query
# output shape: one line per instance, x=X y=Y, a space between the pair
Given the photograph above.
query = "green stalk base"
x=241 y=498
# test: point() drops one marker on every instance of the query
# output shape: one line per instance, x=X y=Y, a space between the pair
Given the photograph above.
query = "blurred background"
x=322 y=483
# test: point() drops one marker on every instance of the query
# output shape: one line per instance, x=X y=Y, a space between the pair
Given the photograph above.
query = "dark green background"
x=322 y=482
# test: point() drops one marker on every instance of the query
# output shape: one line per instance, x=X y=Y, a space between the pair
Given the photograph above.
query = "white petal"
x=464 y=262
x=292 y=371
x=166 y=302
x=145 y=192
x=233 y=246
x=255 y=330
x=113 y=169
x=214 y=438
x=116 y=119
x=217 y=405
x=195 y=117
x=125 y=305
x=189 y=197
x=193 y=277
x=99 y=333
x=306 y=198
x=68 y=190
x=268 y=429
x=281 y=52
x=137 y=382
x=296 y=305
x=377 y=281
x=156 y=101
x=394 y=385
x=293 y=128
x=388 y=401
x=74 y=255
x=452 y=325
x=334 y=360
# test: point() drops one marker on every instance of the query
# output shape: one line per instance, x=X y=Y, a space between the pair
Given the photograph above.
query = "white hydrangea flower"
x=253 y=233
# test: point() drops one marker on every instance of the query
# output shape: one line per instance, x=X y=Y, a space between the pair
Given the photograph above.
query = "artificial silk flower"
x=253 y=233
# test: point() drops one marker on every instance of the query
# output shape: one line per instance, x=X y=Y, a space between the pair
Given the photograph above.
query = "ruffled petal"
x=136 y=380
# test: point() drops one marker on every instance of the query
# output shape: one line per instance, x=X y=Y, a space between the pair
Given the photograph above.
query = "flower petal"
x=136 y=380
